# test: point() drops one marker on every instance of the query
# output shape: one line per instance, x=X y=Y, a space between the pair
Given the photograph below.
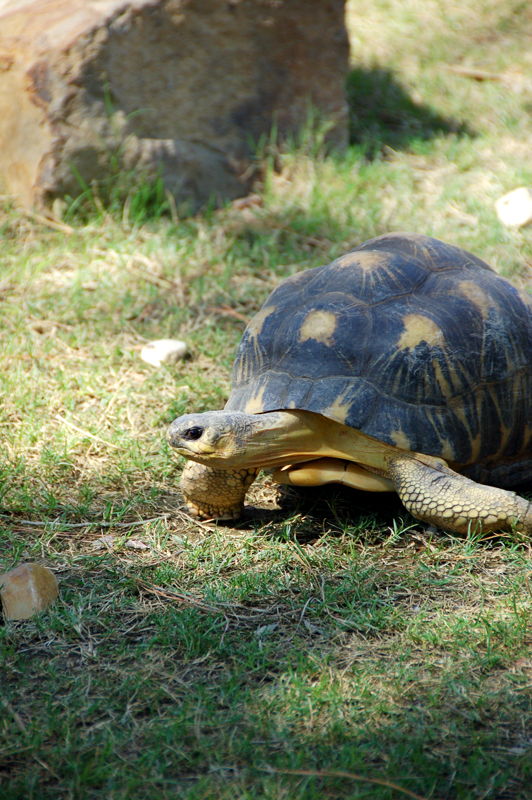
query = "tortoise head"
x=233 y=439
x=214 y=437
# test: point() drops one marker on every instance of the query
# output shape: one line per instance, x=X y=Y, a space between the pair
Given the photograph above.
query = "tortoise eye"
x=193 y=433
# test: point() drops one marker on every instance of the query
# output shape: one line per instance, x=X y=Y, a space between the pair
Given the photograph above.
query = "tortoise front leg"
x=215 y=493
x=434 y=493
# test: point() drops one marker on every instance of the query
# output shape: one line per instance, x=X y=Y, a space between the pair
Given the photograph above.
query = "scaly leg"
x=215 y=493
x=434 y=493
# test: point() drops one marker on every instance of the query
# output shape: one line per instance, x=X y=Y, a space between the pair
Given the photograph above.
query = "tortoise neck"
x=277 y=438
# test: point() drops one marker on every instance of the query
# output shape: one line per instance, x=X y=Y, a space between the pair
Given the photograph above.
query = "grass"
x=328 y=645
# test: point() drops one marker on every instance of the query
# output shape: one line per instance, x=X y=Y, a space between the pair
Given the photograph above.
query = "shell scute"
x=414 y=342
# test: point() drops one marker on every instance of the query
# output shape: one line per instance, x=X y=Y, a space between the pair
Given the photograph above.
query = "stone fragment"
x=103 y=95
x=27 y=590
x=104 y=541
x=136 y=544
x=515 y=208
x=163 y=351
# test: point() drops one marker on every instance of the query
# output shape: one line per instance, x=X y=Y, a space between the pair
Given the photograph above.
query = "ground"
x=328 y=644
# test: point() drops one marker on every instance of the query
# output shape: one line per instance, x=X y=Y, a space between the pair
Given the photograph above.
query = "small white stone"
x=136 y=544
x=515 y=208
x=163 y=351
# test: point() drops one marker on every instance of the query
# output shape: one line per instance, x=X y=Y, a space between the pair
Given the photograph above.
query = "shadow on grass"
x=190 y=704
x=382 y=113
x=183 y=680
x=329 y=509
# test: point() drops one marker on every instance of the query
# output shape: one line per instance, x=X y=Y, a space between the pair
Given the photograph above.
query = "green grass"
x=327 y=645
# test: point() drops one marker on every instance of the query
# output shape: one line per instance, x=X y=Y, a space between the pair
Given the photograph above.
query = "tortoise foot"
x=215 y=493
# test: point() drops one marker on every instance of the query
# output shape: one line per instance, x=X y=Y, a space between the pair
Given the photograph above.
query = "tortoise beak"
x=173 y=434
x=183 y=434
x=192 y=436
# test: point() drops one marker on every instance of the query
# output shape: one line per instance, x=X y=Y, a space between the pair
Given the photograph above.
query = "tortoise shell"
x=414 y=342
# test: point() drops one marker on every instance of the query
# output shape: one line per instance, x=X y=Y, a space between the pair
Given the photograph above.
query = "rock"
x=136 y=544
x=515 y=208
x=27 y=590
x=108 y=541
x=163 y=351
x=109 y=93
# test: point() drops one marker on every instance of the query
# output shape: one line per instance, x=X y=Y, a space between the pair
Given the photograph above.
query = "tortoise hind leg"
x=434 y=493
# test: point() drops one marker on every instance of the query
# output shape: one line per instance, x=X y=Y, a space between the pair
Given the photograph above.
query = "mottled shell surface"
x=414 y=342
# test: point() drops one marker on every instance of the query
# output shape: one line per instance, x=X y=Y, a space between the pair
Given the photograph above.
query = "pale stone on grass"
x=515 y=208
x=27 y=590
x=163 y=351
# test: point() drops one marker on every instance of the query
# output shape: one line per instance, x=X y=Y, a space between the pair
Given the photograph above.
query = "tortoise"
x=404 y=365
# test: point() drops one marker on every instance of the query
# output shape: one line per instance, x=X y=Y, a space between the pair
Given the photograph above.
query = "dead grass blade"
x=340 y=774
x=169 y=594
x=50 y=223
x=64 y=421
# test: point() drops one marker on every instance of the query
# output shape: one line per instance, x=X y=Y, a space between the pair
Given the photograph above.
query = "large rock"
x=114 y=90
